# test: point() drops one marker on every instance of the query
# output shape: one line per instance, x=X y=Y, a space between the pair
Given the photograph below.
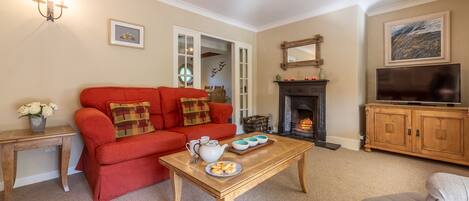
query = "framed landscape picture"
x=417 y=41
x=126 y=34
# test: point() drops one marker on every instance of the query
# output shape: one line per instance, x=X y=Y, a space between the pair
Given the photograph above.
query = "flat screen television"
x=420 y=84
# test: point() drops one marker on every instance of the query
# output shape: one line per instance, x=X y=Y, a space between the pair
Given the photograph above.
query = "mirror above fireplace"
x=302 y=53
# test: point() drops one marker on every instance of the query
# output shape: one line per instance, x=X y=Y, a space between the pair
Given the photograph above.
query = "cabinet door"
x=441 y=134
x=391 y=129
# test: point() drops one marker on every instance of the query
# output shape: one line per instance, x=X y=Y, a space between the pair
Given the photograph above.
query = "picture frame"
x=418 y=40
x=126 y=34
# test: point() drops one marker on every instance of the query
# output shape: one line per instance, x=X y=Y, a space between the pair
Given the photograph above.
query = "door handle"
x=417 y=133
x=409 y=131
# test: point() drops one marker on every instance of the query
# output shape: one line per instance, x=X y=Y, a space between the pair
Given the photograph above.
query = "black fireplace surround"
x=301 y=99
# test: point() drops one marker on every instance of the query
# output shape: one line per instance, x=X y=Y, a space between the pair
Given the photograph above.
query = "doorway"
x=221 y=66
x=216 y=69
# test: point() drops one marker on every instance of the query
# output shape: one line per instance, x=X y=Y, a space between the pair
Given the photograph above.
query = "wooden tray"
x=232 y=149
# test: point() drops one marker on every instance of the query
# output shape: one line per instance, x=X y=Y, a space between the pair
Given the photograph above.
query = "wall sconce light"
x=51 y=4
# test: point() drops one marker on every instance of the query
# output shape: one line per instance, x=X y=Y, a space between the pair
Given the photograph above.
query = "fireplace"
x=302 y=111
x=300 y=116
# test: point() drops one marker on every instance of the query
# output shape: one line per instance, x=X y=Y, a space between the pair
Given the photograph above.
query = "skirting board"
x=347 y=143
x=23 y=181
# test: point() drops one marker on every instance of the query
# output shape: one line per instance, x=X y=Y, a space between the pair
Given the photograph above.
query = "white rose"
x=35 y=104
x=47 y=111
x=23 y=110
x=35 y=109
x=54 y=106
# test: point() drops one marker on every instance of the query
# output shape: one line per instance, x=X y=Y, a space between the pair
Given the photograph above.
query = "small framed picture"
x=126 y=34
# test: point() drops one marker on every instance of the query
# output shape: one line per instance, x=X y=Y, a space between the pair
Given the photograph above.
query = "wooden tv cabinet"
x=439 y=133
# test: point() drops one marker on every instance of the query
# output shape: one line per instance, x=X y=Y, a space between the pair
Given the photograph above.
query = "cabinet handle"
x=417 y=133
x=409 y=131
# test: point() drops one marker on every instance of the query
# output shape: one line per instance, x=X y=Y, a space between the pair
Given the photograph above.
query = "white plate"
x=208 y=169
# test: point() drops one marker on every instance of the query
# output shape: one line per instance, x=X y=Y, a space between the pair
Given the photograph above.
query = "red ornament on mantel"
x=289 y=79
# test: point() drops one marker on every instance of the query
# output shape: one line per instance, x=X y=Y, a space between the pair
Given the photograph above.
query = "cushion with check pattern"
x=131 y=118
x=195 y=111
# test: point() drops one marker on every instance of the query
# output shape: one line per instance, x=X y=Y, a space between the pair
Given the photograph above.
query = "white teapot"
x=211 y=151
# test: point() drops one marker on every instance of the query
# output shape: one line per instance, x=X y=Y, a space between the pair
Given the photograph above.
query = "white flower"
x=35 y=104
x=23 y=110
x=54 y=106
x=47 y=111
x=35 y=109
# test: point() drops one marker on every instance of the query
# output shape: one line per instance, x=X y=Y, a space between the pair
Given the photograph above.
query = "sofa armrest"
x=220 y=112
x=95 y=127
x=448 y=187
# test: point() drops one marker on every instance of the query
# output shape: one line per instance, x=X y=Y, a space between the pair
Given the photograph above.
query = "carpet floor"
x=341 y=175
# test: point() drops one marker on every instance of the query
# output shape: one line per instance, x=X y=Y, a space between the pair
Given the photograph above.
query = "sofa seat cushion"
x=138 y=146
x=214 y=131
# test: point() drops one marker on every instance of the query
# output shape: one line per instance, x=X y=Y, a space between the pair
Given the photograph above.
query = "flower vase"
x=38 y=124
x=321 y=74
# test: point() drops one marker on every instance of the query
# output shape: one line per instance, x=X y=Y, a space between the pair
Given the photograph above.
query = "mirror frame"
x=316 y=40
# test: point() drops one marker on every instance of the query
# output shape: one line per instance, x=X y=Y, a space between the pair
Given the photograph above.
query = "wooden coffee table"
x=258 y=166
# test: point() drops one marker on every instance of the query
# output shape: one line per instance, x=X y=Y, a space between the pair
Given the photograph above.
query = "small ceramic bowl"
x=262 y=138
x=240 y=145
x=252 y=141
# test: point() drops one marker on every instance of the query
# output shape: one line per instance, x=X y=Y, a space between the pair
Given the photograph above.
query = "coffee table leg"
x=301 y=172
x=227 y=198
x=176 y=182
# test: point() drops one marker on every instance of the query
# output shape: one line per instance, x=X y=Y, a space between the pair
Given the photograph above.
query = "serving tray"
x=232 y=149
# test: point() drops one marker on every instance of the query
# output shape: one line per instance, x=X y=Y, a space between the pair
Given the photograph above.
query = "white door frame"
x=237 y=108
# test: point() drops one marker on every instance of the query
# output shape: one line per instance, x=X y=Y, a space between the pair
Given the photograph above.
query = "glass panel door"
x=244 y=84
x=243 y=81
x=187 y=61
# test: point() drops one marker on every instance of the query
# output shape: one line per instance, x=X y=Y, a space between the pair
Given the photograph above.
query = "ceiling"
x=259 y=15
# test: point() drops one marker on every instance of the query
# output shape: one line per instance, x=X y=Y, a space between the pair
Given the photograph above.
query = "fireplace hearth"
x=302 y=111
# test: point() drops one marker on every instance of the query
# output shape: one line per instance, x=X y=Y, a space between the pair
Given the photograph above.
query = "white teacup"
x=193 y=147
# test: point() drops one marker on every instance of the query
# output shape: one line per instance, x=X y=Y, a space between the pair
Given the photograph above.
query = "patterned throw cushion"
x=195 y=111
x=131 y=118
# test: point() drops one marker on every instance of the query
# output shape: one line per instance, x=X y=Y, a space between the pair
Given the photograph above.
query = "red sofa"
x=116 y=166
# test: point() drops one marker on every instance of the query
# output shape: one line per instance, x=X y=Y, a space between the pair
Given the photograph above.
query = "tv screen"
x=420 y=84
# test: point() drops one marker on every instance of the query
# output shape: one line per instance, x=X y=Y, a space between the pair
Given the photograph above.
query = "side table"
x=18 y=140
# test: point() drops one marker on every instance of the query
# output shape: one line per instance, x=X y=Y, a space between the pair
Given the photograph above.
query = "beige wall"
x=459 y=38
x=343 y=55
x=53 y=61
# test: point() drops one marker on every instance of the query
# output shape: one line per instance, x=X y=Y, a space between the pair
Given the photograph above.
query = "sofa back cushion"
x=100 y=97
x=170 y=100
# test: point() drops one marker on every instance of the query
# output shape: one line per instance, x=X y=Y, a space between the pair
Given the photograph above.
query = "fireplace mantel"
x=305 y=88
x=302 y=81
